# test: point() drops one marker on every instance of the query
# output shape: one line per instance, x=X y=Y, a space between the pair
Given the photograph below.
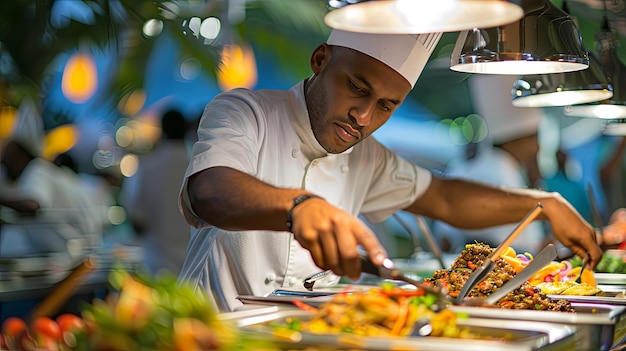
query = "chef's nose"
x=362 y=113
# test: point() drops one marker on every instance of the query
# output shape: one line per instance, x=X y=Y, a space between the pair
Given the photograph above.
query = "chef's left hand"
x=614 y=233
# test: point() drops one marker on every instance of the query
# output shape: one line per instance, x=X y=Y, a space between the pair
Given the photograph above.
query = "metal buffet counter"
x=595 y=325
x=520 y=335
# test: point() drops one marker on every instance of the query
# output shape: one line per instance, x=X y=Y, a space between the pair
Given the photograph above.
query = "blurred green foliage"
x=33 y=33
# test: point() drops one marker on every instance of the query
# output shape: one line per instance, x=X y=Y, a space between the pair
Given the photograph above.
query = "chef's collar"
x=310 y=147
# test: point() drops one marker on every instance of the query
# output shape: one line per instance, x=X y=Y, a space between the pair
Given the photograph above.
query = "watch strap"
x=297 y=201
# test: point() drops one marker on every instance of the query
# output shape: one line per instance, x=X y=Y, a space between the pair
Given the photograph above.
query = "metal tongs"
x=481 y=272
x=545 y=256
x=388 y=271
x=423 y=327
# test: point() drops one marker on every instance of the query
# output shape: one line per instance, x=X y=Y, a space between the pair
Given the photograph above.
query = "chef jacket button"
x=344 y=168
x=293 y=281
x=295 y=153
x=270 y=278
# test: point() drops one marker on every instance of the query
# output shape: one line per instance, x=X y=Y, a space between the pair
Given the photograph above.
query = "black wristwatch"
x=297 y=201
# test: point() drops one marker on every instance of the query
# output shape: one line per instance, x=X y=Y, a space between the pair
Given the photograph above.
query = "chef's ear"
x=320 y=55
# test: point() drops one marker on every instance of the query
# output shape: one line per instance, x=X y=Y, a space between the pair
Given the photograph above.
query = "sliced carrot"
x=403 y=292
x=304 y=306
x=403 y=316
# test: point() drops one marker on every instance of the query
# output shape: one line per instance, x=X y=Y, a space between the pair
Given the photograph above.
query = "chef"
x=47 y=212
x=277 y=178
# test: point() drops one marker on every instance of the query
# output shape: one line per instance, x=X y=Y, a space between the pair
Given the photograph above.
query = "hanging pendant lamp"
x=614 y=107
x=419 y=16
x=615 y=127
x=545 y=40
x=562 y=89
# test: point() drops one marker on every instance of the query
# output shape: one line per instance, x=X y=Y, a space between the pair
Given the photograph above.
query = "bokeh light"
x=464 y=130
x=116 y=215
x=132 y=102
x=210 y=28
x=60 y=140
x=152 y=28
x=239 y=68
x=129 y=165
x=80 y=78
x=7 y=121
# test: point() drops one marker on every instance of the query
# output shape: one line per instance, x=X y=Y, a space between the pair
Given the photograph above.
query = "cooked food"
x=559 y=278
x=473 y=256
x=583 y=290
x=385 y=311
x=553 y=288
x=570 y=287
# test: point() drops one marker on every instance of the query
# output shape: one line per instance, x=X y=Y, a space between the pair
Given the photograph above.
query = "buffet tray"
x=314 y=298
x=610 y=278
x=520 y=335
x=609 y=298
x=273 y=300
x=599 y=326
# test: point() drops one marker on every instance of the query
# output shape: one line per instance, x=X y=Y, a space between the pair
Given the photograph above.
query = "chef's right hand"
x=332 y=236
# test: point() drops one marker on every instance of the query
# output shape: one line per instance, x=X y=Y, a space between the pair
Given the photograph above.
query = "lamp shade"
x=418 y=16
x=614 y=107
x=545 y=40
x=562 y=89
x=615 y=127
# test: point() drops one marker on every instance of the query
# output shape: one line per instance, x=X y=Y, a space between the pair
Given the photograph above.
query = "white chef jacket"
x=492 y=166
x=267 y=134
x=63 y=216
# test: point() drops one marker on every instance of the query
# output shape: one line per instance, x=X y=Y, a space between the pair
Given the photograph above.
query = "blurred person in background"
x=506 y=158
x=613 y=173
x=35 y=187
x=278 y=178
x=613 y=177
x=95 y=217
x=586 y=164
x=150 y=197
x=561 y=181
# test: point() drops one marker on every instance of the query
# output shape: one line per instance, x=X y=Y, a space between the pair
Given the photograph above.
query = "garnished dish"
x=559 y=278
x=385 y=311
x=393 y=317
x=527 y=296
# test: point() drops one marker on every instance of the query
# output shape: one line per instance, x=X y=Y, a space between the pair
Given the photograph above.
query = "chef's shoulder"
x=255 y=101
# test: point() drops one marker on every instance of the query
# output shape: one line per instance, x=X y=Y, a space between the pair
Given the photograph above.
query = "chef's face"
x=350 y=96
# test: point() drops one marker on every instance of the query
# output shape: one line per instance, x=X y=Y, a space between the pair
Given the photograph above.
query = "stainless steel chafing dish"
x=598 y=326
x=521 y=335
